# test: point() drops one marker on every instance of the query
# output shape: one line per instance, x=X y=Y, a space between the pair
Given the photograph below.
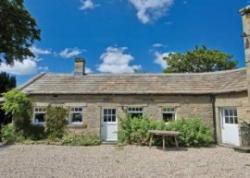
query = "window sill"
x=78 y=125
x=39 y=124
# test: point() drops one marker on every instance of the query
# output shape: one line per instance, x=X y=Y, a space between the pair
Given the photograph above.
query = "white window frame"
x=169 y=110
x=38 y=110
x=234 y=116
x=109 y=114
x=135 y=110
x=73 y=110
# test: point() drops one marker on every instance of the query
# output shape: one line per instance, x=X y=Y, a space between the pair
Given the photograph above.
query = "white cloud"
x=115 y=60
x=158 y=45
x=87 y=4
x=88 y=70
x=69 y=53
x=159 y=59
x=39 y=51
x=149 y=10
x=45 y=68
x=28 y=66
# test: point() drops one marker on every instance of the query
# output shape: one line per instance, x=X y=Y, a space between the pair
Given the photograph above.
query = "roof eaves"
x=141 y=93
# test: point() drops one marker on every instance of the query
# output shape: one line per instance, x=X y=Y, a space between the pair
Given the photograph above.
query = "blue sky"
x=127 y=35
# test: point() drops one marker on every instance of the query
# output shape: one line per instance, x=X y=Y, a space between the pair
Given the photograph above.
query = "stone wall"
x=238 y=100
x=245 y=134
x=186 y=106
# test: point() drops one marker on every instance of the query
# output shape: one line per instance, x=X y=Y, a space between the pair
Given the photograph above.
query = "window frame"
x=135 y=110
x=38 y=110
x=72 y=110
x=109 y=115
x=169 y=110
x=232 y=115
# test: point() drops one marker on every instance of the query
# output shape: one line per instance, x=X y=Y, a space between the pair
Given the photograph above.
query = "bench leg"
x=176 y=142
x=163 y=142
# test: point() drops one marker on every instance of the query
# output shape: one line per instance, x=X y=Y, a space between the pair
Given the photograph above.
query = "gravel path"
x=31 y=161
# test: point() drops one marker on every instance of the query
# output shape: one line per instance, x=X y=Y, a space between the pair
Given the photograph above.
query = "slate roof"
x=186 y=83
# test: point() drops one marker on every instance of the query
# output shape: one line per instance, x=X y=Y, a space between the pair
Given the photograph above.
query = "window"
x=168 y=114
x=109 y=115
x=39 y=115
x=230 y=116
x=136 y=112
x=76 y=115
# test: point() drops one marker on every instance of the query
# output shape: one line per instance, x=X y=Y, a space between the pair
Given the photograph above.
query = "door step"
x=226 y=145
x=242 y=149
x=109 y=143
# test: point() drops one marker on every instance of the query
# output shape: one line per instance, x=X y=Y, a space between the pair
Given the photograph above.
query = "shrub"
x=9 y=135
x=81 y=139
x=37 y=132
x=19 y=106
x=193 y=132
x=56 y=122
x=135 y=130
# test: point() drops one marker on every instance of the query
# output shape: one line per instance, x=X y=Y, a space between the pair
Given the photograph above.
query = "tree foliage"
x=200 y=59
x=19 y=105
x=7 y=83
x=18 y=30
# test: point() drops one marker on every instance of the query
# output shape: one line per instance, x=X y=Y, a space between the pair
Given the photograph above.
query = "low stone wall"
x=83 y=130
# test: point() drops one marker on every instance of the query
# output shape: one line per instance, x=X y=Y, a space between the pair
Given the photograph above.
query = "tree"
x=7 y=83
x=19 y=106
x=18 y=31
x=200 y=59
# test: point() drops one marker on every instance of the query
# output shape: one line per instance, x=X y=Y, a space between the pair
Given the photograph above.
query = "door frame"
x=222 y=123
x=101 y=123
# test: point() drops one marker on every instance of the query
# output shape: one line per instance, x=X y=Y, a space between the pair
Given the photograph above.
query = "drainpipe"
x=213 y=99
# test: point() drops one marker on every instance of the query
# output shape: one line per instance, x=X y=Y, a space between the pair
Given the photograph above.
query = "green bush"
x=56 y=122
x=37 y=132
x=81 y=139
x=19 y=106
x=193 y=132
x=135 y=130
x=33 y=132
x=9 y=135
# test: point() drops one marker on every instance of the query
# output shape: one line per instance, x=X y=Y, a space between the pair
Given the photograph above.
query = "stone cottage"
x=97 y=101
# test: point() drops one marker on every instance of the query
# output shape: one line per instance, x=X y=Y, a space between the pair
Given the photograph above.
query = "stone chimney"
x=79 y=66
x=245 y=13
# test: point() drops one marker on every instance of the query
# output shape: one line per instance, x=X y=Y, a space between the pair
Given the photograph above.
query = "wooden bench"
x=163 y=134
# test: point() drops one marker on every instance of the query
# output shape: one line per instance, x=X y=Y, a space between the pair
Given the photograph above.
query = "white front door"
x=109 y=126
x=230 y=127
